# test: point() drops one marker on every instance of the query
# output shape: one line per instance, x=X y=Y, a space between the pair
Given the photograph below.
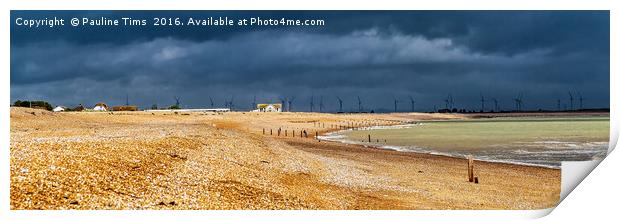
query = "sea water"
x=533 y=151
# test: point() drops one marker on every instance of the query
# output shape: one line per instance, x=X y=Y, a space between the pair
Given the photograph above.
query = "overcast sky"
x=378 y=56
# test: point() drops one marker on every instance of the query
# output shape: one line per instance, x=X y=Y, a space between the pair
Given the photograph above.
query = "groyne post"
x=470 y=168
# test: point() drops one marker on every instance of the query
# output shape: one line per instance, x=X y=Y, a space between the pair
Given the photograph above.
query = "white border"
x=308 y=5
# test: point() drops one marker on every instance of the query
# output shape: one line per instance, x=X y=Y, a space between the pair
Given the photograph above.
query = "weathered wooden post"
x=293 y=133
x=271 y=131
x=316 y=135
x=263 y=131
x=470 y=168
x=368 y=138
x=286 y=133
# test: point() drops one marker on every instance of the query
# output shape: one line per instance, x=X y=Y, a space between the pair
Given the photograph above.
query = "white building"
x=268 y=108
x=100 y=107
x=59 y=109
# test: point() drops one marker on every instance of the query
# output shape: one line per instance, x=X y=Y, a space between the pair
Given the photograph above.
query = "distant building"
x=268 y=108
x=79 y=108
x=59 y=109
x=101 y=107
x=125 y=108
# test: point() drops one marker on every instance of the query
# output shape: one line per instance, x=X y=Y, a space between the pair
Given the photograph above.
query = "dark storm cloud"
x=379 y=56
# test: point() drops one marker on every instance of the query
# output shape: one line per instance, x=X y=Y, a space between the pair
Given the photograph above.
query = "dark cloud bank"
x=379 y=56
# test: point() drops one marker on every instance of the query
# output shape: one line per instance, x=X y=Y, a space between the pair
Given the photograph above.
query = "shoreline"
x=429 y=152
x=378 y=150
x=398 y=149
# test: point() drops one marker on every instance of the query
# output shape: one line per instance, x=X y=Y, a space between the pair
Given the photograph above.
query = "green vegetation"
x=33 y=104
x=482 y=133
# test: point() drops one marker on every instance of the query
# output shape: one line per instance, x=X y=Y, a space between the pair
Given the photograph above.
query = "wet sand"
x=142 y=160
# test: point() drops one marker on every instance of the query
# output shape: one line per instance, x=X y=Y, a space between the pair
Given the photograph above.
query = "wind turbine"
x=283 y=101
x=519 y=101
x=311 y=103
x=396 y=104
x=127 y=99
x=359 y=104
x=230 y=104
x=496 y=105
x=321 y=105
x=412 y=104
x=339 y=103
x=580 y=100
x=449 y=102
x=254 y=103
x=290 y=103
x=178 y=101
x=559 y=105
x=211 y=99
x=570 y=95
x=482 y=101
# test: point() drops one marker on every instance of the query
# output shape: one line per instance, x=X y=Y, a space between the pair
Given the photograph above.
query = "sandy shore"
x=142 y=160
